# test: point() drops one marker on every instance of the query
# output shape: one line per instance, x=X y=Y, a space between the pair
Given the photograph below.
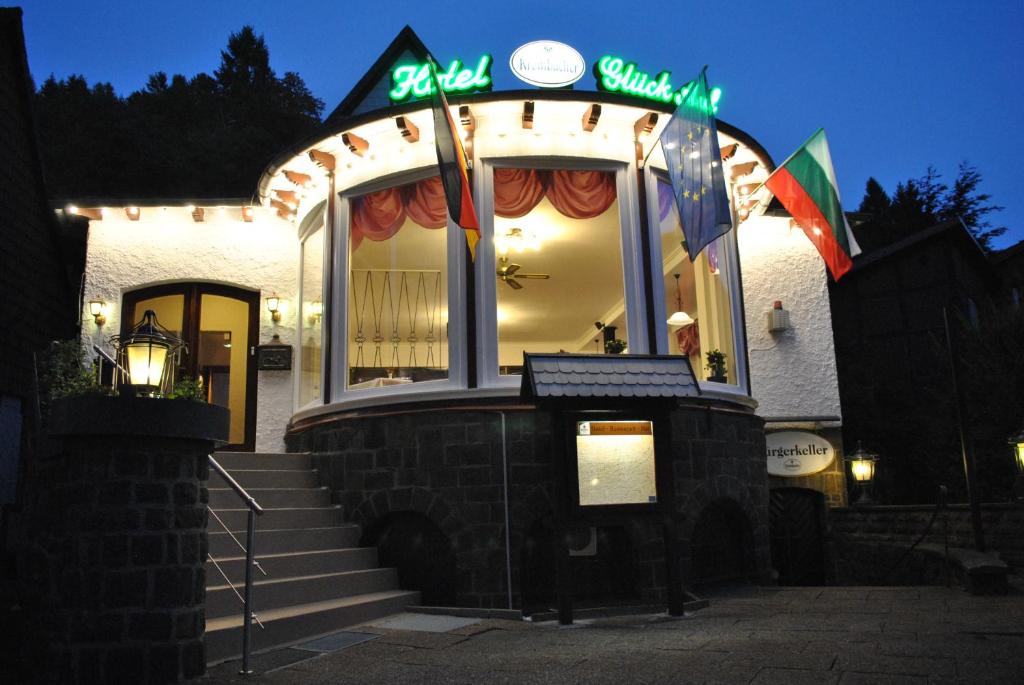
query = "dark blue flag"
x=690 y=143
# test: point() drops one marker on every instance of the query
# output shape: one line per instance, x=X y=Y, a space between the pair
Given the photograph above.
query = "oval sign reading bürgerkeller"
x=797 y=453
x=548 y=64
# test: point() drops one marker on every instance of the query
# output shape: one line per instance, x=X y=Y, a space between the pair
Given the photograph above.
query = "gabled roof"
x=371 y=92
x=914 y=239
x=548 y=376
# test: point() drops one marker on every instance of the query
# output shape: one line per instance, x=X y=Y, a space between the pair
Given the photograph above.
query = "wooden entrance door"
x=797 y=529
x=220 y=327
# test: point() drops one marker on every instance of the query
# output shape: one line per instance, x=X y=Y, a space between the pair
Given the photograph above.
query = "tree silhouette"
x=923 y=202
x=208 y=136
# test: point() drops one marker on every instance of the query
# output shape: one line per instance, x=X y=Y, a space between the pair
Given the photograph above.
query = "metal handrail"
x=250 y=559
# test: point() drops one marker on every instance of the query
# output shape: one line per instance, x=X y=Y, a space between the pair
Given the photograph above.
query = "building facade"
x=342 y=314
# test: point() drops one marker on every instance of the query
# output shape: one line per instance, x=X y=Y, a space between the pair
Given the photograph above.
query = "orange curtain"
x=517 y=191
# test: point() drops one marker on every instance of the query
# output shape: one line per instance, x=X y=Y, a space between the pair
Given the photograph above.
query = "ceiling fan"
x=508 y=272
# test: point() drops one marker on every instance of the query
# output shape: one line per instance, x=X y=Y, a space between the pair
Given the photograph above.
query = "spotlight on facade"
x=248 y=213
x=133 y=213
x=862 y=468
x=147 y=357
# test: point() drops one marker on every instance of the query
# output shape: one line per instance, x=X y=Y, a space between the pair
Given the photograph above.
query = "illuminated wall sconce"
x=862 y=468
x=133 y=213
x=274 y=307
x=316 y=312
x=247 y=214
x=98 y=309
x=1017 y=442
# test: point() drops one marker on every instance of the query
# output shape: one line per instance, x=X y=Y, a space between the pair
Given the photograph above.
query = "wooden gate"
x=797 y=529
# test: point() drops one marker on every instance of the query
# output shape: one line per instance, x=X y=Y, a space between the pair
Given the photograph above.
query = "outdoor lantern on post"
x=1017 y=442
x=147 y=357
x=862 y=468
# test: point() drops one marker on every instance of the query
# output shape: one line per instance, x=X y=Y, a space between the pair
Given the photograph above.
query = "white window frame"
x=731 y=263
x=339 y=302
x=630 y=250
x=306 y=229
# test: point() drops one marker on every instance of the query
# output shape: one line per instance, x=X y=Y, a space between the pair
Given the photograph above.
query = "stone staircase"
x=318 y=579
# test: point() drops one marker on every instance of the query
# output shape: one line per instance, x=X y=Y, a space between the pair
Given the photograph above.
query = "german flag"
x=451 y=158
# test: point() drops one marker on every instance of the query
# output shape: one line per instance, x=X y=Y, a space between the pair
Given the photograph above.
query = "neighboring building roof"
x=915 y=239
x=607 y=375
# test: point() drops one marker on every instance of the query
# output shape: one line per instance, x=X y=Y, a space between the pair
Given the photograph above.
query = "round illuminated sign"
x=797 y=453
x=548 y=64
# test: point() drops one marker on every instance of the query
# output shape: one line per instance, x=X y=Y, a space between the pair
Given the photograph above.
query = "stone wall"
x=1003 y=526
x=112 y=542
x=450 y=465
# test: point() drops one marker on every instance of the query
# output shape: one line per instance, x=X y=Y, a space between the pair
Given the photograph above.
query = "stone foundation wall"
x=454 y=467
x=1003 y=526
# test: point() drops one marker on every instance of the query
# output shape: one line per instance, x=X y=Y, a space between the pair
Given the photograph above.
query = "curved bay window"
x=397 y=286
x=698 y=295
x=559 y=275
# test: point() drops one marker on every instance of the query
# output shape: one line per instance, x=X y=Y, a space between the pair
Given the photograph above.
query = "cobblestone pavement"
x=786 y=636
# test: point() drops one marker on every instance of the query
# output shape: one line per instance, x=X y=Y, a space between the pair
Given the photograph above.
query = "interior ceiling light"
x=679 y=317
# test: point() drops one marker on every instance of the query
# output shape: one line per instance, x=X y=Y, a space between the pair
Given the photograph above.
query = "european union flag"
x=690 y=143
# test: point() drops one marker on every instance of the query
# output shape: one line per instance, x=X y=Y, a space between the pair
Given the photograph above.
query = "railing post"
x=250 y=543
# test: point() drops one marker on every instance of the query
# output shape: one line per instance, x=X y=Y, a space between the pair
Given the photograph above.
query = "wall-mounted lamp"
x=98 y=309
x=1017 y=442
x=862 y=468
x=274 y=307
x=133 y=213
x=316 y=312
x=248 y=213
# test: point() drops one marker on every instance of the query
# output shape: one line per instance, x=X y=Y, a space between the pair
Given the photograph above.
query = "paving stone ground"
x=760 y=636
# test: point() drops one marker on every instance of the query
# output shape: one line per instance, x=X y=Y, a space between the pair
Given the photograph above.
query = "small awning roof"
x=548 y=376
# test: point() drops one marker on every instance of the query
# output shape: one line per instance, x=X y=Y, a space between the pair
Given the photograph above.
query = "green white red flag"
x=806 y=186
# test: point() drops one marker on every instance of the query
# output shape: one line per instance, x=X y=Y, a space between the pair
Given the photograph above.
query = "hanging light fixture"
x=147 y=357
x=679 y=317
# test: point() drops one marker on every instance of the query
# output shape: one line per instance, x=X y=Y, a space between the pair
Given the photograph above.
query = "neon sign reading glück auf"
x=413 y=80
x=616 y=75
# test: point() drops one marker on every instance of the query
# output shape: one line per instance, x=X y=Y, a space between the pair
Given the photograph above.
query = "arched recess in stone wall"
x=417 y=532
x=728 y=498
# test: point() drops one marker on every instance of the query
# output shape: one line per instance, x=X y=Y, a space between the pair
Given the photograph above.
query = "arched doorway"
x=220 y=327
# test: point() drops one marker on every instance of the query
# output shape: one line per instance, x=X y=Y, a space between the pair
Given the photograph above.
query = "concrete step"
x=271 y=498
x=276 y=519
x=298 y=623
x=291 y=564
x=267 y=478
x=263 y=460
x=274 y=593
x=286 y=540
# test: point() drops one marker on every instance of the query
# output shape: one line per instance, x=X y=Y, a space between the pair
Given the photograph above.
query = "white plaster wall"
x=792 y=373
x=166 y=245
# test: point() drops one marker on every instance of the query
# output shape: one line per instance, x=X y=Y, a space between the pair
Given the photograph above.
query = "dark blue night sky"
x=897 y=85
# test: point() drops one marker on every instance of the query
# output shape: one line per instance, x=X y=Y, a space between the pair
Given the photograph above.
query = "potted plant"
x=614 y=346
x=716 y=366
